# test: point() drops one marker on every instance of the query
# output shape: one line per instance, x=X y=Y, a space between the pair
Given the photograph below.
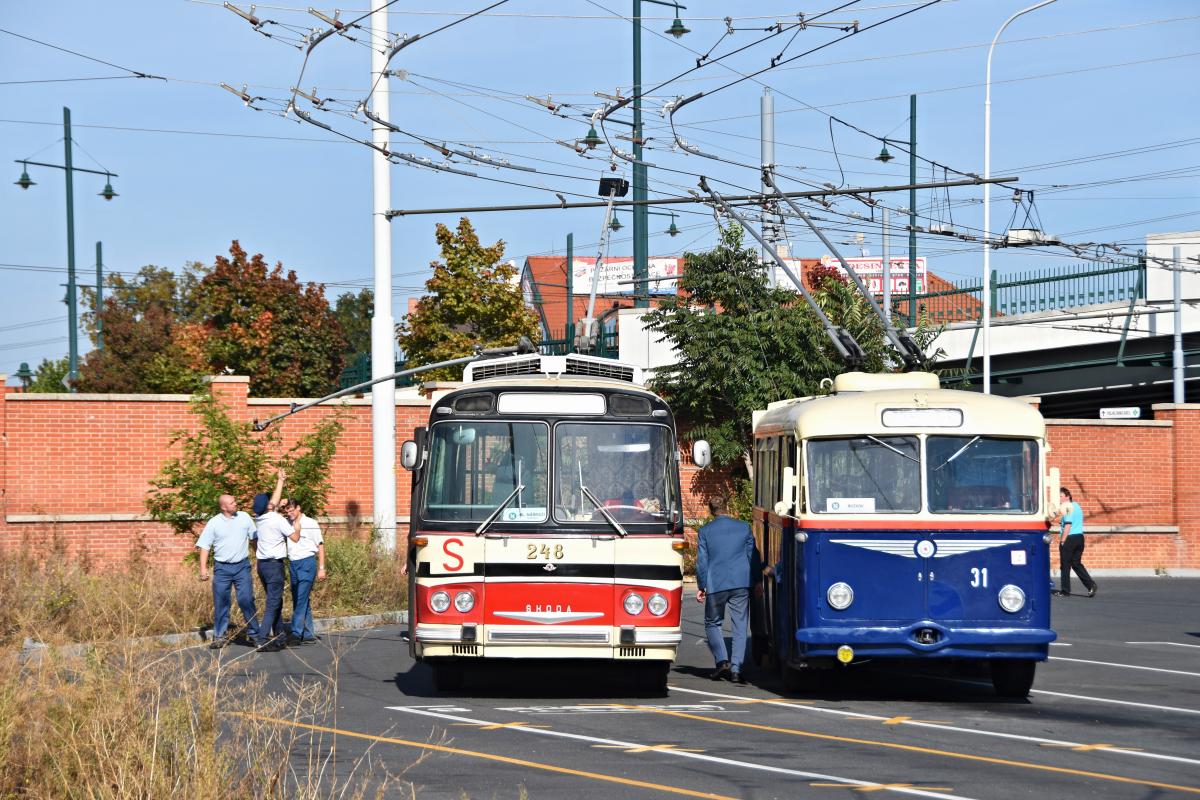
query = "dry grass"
x=49 y=597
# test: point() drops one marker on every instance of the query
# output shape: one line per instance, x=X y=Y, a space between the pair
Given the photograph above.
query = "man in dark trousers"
x=727 y=565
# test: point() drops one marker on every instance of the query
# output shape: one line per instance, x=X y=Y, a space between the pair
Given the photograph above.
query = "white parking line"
x=1126 y=666
x=938 y=726
x=1117 y=702
x=1172 y=644
x=867 y=785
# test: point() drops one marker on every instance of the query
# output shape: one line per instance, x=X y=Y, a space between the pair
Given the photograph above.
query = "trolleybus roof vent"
x=873 y=382
x=603 y=368
x=501 y=367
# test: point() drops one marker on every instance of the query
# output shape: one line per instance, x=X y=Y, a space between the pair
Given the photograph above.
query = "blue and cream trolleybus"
x=905 y=521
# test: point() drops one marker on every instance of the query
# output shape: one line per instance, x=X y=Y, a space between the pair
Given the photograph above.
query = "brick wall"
x=75 y=469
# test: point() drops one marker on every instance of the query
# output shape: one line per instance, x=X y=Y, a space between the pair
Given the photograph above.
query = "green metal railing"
x=359 y=371
x=1033 y=292
x=606 y=345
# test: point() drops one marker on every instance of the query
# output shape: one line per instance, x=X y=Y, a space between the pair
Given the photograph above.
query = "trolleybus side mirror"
x=409 y=455
x=701 y=453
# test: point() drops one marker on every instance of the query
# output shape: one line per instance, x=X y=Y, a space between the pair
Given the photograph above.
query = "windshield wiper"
x=898 y=452
x=483 y=526
x=592 y=498
x=957 y=453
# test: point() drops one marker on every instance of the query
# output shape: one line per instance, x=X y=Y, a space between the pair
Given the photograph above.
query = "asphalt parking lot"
x=1114 y=713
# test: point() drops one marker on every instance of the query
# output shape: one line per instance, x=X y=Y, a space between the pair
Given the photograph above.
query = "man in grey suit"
x=727 y=565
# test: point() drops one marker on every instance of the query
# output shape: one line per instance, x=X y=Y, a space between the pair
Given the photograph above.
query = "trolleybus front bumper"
x=539 y=641
x=927 y=639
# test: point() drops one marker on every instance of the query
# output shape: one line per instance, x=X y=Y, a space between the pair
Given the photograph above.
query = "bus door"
x=994 y=480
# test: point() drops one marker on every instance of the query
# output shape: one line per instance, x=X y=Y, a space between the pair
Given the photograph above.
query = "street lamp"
x=25 y=375
x=987 y=200
x=641 y=220
x=108 y=194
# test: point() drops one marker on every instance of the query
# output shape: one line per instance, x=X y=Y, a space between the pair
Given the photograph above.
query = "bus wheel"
x=650 y=679
x=447 y=676
x=1013 y=677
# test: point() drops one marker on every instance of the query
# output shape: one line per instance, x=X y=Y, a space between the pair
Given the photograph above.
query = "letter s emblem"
x=447 y=565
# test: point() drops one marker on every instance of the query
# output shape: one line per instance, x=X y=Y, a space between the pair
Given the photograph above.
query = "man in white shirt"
x=228 y=536
x=274 y=531
x=306 y=562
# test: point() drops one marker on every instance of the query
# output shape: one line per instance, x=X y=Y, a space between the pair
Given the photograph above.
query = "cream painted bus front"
x=509 y=596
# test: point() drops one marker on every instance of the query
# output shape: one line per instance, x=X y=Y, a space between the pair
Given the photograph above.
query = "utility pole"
x=887 y=267
x=99 y=297
x=912 y=211
x=383 y=394
x=72 y=310
x=570 y=290
x=767 y=136
x=641 y=220
x=1177 y=351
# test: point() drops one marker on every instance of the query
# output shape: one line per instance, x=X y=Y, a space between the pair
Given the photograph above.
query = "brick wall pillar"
x=1185 y=477
x=4 y=389
x=232 y=391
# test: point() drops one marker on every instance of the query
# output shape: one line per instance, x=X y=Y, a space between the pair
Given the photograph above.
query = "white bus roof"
x=858 y=408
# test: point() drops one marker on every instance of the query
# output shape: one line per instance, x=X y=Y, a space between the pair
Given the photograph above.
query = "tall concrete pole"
x=1177 y=351
x=72 y=320
x=912 y=211
x=383 y=327
x=986 y=291
x=99 y=296
x=641 y=216
x=767 y=127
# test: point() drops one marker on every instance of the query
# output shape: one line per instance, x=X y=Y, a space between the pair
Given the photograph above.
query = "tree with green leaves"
x=742 y=344
x=225 y=456
x=473 y=301
x=48 y=377
x=261 y=322
x=139 y=354
x=353 y=312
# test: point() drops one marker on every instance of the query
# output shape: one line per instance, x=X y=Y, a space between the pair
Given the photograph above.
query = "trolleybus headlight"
x=1012 y=599
x=657 y=605
x=634 y=604
x=464 y=601
x=840 y=596
x=439 y=601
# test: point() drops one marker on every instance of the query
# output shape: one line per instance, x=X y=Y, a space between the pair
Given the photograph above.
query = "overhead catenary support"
x=383 y=389
x=912 y=210
x=908 y=350
x=671 y=201
x=843 y=341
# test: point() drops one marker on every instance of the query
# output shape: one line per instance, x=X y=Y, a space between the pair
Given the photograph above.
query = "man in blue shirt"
x=1070 y=547
x=228 y=536
x=727 y=565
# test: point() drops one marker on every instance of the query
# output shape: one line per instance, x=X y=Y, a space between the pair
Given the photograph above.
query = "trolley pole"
x=383 y=394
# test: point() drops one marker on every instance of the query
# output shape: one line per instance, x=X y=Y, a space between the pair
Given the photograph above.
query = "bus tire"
x=1013 y=678
x=447 y=676
x=650 y=679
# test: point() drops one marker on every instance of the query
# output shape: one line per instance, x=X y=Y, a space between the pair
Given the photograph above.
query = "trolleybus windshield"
x=982 y=474
x=474 y=466
x=628 y=468
x=864 y=475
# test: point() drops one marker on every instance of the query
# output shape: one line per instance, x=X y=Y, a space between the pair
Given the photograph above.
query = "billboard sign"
x=870 y=269
x=616 y=270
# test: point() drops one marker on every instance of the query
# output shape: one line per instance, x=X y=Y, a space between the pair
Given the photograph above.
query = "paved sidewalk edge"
x=32 y=650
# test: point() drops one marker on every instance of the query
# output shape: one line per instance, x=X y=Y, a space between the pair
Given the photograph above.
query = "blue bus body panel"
x=921 y=593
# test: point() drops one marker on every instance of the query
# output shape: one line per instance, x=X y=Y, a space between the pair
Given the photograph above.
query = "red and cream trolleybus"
x=546 y=519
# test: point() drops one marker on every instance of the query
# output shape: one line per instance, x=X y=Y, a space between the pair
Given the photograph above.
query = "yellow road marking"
x=648 y=748
x=1087 y=748
x=765 y=700
x=933 y=751
x=520 y=762
x=877 y=787
x=902 y=720
x=495 y=726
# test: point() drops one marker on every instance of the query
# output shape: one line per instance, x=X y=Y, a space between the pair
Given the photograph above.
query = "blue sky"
x=1074 y=80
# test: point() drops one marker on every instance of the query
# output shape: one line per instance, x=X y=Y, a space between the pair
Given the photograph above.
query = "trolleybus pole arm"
x=843 y=341
x=481 y=353
x=909 y=351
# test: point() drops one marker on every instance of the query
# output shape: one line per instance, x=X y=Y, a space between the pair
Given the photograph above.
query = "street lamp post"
x=108 y=194
x=641 y=221
x=987 y=201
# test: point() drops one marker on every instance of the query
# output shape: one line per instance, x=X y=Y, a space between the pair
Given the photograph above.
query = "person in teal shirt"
x=1070 y=547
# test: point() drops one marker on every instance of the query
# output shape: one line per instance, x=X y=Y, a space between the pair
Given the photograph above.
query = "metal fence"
x=1032 y=292
x=359 y=371
x=606 y=345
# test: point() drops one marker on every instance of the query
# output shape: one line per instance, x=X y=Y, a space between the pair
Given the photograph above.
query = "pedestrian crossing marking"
x=647 y=748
